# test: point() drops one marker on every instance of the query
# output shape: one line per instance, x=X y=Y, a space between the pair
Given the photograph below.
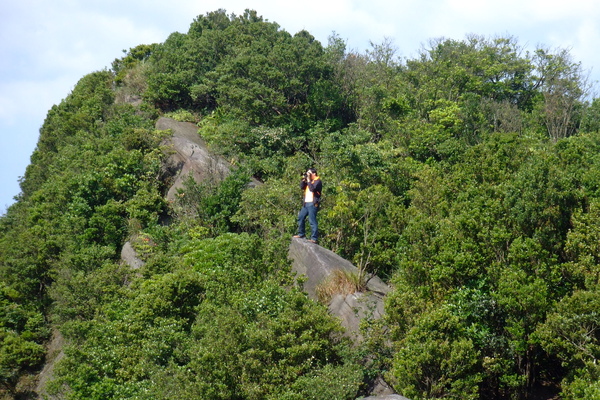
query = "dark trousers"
x=309 y=210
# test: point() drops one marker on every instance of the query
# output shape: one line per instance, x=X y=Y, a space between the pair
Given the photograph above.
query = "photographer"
x=311 y=186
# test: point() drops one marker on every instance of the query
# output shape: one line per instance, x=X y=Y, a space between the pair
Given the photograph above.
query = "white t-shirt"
x=308 y=195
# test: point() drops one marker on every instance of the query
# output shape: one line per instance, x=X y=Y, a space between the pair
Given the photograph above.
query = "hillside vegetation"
x=468 y=178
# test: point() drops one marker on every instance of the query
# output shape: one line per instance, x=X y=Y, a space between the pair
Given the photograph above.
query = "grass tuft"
x=340 y=282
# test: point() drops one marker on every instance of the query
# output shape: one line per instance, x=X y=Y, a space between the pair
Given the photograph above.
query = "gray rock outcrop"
x=54 y=353
x=355 y=307
x=316 y=264
x=190 y=156
x=130 y=257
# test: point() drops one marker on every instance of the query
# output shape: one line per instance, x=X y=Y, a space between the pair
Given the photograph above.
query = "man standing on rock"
x=311 y=186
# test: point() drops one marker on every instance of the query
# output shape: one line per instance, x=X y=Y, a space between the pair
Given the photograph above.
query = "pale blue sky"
x=47 y=46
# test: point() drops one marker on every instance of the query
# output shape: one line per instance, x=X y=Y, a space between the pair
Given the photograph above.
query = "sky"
x=47 y=46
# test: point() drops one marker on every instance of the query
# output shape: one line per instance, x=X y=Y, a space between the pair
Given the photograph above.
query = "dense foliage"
x=467 y=177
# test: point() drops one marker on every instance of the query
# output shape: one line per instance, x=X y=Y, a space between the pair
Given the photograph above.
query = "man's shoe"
x=312 y=241
x=298 y=236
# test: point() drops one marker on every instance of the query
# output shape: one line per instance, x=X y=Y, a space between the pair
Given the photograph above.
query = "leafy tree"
x=81 y=110
x=436 y=361
x=132 y=58
x=563 y=86
x=571 y=333
x=22 y=334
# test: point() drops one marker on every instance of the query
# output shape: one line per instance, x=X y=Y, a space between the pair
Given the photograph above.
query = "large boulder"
x=189 y=155
x=315 y=264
